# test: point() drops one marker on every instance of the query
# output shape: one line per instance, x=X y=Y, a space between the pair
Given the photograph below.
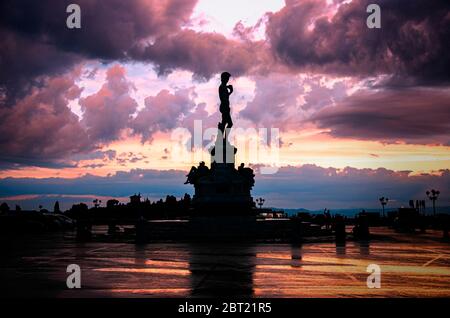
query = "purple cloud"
x=412 y=115
x=109 y=110
x=412 y=42
x=41 y=129
x=284 y=101
x=162 y=112
x=36 y=41
x=205 y=54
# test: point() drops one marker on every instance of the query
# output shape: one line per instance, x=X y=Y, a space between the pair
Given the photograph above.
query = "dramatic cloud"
x=304 y=35
x=204 y=54
x=284 y=101
x=306 y=186
x=411 y=115
x=162 y=112
x=41 y=129
x=109 y=28
x=109 y=110
x=282 y=93
x=36 y=41
x=412 y=42
x=313 y=57
x=22 y=60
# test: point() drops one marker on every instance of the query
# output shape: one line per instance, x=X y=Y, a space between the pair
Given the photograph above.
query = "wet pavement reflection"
x=412 y=266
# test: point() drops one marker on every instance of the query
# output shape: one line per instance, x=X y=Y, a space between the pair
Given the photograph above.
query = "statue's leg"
x=229 y=124
x=222 y=124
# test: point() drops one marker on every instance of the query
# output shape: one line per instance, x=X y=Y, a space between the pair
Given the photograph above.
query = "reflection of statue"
x=224 y=93
x=222 y=270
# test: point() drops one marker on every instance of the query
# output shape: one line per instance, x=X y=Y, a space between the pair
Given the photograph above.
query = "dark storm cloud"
x=419 y=116
x=412 y=42
x=204 y=54
x=36 y=41
x=23 y=59
x=41 y=129
x=144 y=30
x=109 y=28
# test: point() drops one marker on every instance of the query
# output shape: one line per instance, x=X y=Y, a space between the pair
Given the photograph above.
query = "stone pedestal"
x=223 y=189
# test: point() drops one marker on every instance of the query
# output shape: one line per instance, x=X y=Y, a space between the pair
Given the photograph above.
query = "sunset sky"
x=98 y=111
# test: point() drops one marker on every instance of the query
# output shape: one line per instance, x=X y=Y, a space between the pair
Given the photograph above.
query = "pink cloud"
x=412 y=115
x=412 y=41
x=41 y=128
x=205 y=54
x=284 y=101
x=109 y=110
x=162 y=112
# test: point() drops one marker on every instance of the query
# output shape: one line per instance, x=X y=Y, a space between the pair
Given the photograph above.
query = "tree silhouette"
x=433 y=196
x=97 y=203
x=111 y=203
x=4 y=207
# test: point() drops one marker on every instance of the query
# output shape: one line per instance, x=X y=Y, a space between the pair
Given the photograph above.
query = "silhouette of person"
x=224 y=93
x=202 y=169
x=191 y=176
x=247 y=173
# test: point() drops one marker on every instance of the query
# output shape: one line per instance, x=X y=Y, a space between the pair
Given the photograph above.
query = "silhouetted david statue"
x=222 y=188
x=224 y=93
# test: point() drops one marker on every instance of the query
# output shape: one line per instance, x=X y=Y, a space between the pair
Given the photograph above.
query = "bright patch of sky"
x=145 y=83
x=221 y=16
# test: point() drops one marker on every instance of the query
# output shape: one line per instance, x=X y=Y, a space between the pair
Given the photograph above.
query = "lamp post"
x=383 y=202
x=433 y=196
x=260 y=202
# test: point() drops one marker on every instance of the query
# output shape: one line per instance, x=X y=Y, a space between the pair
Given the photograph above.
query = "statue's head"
x=224 y=77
